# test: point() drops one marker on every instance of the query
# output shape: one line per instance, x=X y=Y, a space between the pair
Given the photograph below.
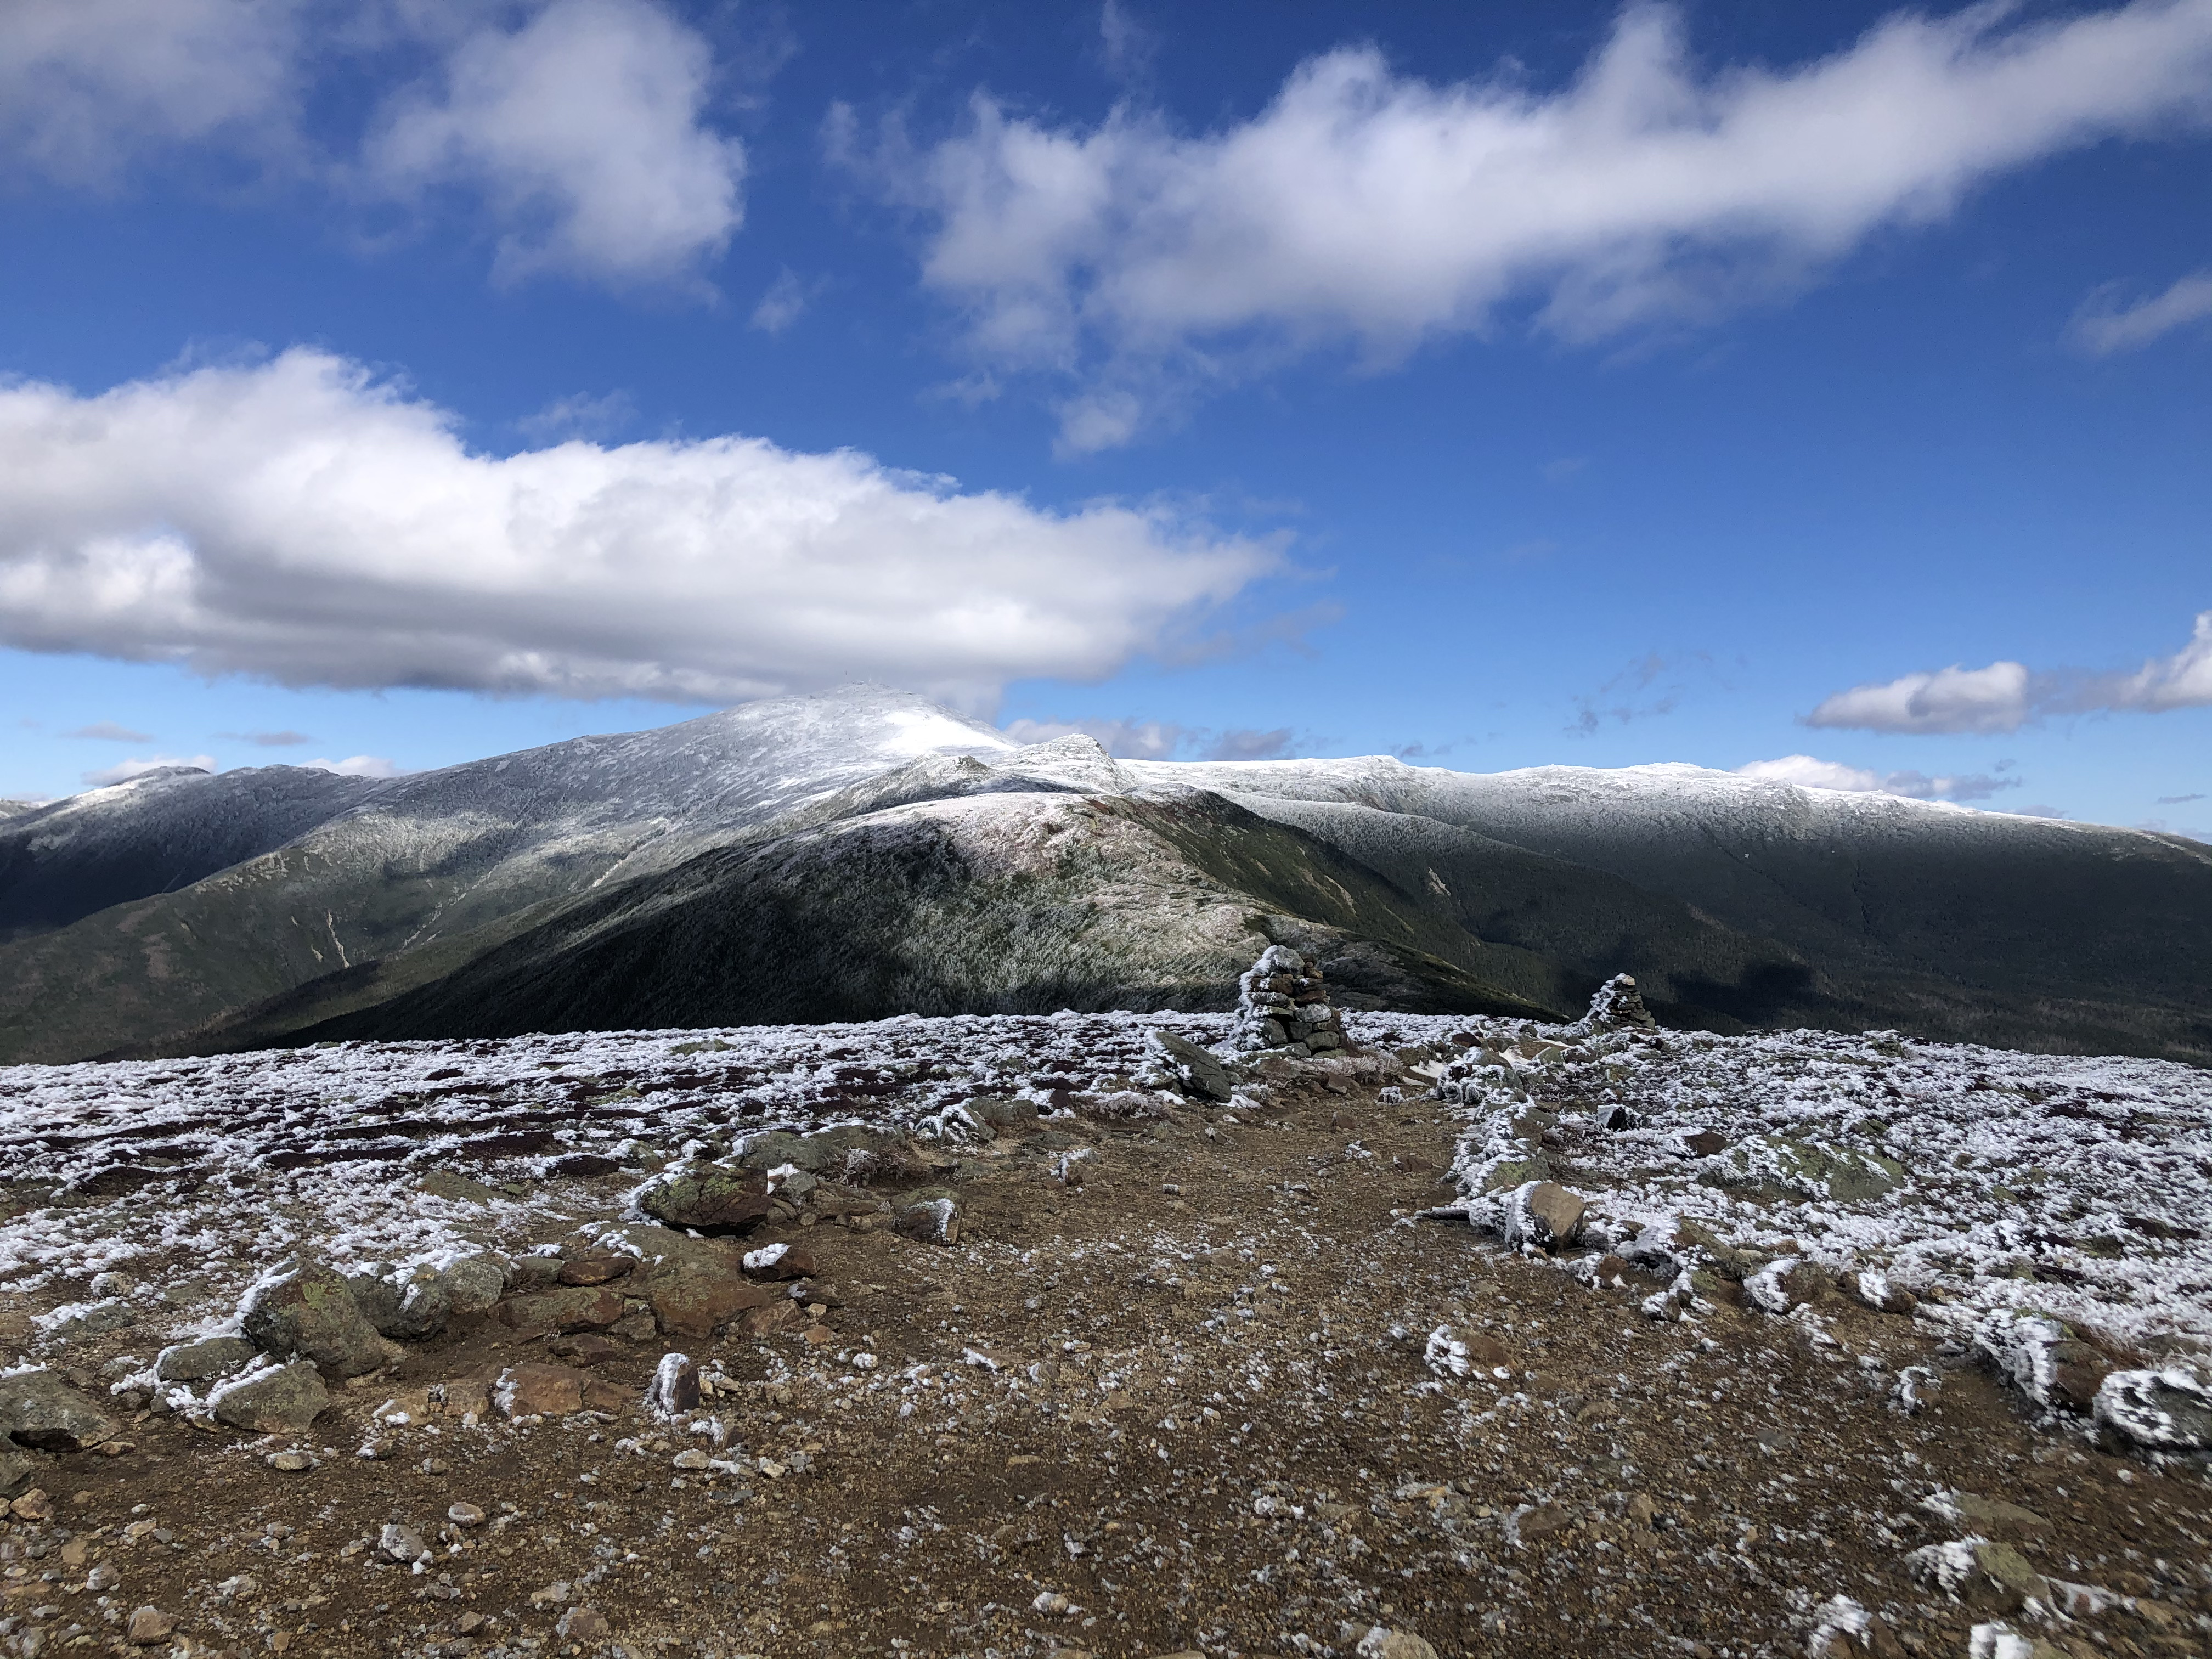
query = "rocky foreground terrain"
x=1069 y=1335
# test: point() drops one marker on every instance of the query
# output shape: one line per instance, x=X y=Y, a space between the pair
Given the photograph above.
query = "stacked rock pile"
x=1281 y=1003
x=1618 y=1006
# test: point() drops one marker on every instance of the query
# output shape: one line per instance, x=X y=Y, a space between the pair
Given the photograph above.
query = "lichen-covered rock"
x=304 y=1310
x=571 y=1308
x=1283 y=1003
x=38 y=1409
x=707 y=1198
x=1780 y=1169
x=474 y=1283
x=202 y=1358
x=830 y=1154
x=274 y=1400
x=694 y=1285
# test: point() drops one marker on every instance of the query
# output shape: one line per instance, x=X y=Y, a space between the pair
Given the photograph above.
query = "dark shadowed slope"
x=155 y=834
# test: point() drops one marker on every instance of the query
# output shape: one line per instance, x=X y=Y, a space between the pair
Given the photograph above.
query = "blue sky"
x=1820 y=389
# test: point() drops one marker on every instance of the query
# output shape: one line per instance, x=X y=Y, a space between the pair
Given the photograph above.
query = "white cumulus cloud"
x=301 y=521
x=1816 y=774
x=2006 y=696
x=1954 y=699
x=1377 y=208
x=124 y=771
x=2104 y=327
x=583 y=131
x=86 y=85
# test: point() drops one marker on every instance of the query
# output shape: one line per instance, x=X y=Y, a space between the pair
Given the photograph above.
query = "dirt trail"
x=1170 y=1394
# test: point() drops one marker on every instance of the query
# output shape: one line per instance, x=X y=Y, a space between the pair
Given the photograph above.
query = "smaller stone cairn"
x=1281 y=1003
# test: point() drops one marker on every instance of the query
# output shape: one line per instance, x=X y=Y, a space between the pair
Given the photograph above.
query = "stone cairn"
x=1281 y=1003
x=1618 y=1006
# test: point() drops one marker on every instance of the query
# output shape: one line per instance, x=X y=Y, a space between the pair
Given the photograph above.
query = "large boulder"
x=305 y=1310
x=707 y=1199
x=849 y=1150
x=1197 y=1069
x=202 y=1358
x=274 y=1400
x=40 y=1410
x=2168 y=1410
x=693 y=1286
x=571 y=1308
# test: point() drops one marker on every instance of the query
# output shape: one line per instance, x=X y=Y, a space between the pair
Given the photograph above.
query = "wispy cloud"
x=1815 y=774
x=2006 y=696
x=1141 y=266
x=2177 y=800
x=580 y=415
x=785 y=302
x=268 y=740
x=109 y=731
x=2103 y=326
x=1651 y=686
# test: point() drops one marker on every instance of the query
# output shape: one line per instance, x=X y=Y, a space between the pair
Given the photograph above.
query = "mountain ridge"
x=868 y=838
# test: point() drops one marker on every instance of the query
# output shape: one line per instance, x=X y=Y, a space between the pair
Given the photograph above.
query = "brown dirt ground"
x=1210 y=1428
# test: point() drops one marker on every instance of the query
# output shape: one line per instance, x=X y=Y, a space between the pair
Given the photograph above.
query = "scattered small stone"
x=291 y=1463
x=403 y=1544
x=148 y=1625
x=465 y=1514
x=582 y=1624
x=674 y=1390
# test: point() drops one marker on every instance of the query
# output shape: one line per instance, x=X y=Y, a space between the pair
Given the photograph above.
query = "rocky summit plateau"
x=826 y=1180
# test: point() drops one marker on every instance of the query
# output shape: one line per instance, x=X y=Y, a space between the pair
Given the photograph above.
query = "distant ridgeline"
x=865 y=853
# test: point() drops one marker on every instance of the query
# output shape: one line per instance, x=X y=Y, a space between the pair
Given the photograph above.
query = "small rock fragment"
x=674 y=1386
x=403 y=1544
x=465 y=1514
x=148 y=1625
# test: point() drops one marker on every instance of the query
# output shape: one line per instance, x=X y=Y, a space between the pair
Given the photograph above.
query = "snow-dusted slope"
x=154 y=834
x=1738 y=900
